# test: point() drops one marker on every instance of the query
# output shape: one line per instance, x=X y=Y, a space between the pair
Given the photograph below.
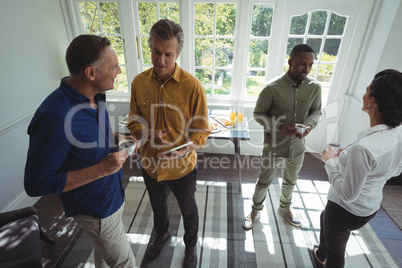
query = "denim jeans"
x=336 y=225
x=184 y=191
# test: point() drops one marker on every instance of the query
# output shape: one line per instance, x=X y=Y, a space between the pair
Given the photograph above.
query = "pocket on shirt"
x=145 y=109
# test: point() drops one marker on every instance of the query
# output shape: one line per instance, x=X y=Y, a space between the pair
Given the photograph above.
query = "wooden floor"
x=212 y=167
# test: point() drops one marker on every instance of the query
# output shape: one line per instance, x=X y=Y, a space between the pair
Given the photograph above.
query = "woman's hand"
x=329 y=153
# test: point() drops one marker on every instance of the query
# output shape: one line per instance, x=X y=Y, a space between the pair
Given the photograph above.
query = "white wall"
x=381 y=50
x=32 y=49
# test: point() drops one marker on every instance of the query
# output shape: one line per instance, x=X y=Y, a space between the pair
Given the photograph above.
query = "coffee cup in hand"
x=334 y=145
x=301 y=128
x=128 y=146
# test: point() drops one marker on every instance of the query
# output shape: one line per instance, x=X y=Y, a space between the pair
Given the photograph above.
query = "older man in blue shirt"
x=72 y=150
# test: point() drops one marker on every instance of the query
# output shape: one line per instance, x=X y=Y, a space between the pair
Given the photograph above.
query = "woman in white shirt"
x=363 y=168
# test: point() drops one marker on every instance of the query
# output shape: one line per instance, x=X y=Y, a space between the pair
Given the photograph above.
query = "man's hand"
x=158 y=136
x=112 y=163
x=306 y=132
x=288 y=129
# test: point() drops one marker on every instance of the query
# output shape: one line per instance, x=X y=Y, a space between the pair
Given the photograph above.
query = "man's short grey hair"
x=166 y=30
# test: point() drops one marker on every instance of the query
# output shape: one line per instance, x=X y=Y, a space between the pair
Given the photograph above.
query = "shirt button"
x=160 y=102
x=161 y=85
x=159 y=118
x=144 y=102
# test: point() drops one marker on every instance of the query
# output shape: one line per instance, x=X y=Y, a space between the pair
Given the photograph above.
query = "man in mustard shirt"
x=168 y=108
x=287 y=100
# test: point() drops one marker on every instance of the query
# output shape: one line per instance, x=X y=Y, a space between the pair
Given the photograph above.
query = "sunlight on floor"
x=309 y=199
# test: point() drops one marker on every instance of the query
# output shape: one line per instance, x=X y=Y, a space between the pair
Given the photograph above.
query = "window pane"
x=325 y=72
x=117 y=45
x=205 y=77
x=255 y=81
x=298 y=25
x=262 y=20
x=146 y=51
x=110 y=18
x=169 y=11
x=120 y=84
x=148 y=15
x=291 y=43
x=317 y=23
x=223 y=82
x=224 y=52
x=315 y=44
x=332 y=47
x=336 y=25
x=203 y=52
x=225 y=19
x=204 y=19
x=313 y=71
x=258 y=52
x=286 y=67
x=89 y=17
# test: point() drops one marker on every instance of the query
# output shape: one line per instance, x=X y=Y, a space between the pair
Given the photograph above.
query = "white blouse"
x=364 y=168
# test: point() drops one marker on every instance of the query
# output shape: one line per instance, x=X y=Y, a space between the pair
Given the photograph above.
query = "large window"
x=214 y=38
x=323 y=31
x=148 y=14
x=233 y=47
x=102 y=18
x=260 y=33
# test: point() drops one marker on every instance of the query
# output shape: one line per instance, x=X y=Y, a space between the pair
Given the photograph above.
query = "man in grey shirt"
x=290 y=99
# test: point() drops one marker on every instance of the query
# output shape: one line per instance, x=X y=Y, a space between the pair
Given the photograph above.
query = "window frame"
x=282 y=14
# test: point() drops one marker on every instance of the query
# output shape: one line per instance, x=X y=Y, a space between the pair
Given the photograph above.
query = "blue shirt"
x=66 y=134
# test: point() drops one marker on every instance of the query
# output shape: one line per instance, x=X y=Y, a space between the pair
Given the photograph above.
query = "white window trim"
x=277 y=45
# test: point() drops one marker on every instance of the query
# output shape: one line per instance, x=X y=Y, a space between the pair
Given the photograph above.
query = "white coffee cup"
x=128 y=146
x=334 y=145
x=301 y=128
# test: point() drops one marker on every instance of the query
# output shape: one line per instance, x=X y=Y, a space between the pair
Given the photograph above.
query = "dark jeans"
x=184 y=190
x=336 y=225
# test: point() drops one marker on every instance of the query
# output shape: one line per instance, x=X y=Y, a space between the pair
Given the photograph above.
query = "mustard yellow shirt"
x=178 y=103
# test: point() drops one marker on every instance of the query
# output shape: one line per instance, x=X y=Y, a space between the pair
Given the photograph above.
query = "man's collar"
x=175 y=75
x=291 y=82
x=76 y=95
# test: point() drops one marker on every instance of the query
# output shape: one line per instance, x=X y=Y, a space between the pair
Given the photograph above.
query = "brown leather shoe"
x=190 y=259
x=156 y=246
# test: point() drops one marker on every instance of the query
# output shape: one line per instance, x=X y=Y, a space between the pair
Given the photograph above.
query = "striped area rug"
x=222 y=240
